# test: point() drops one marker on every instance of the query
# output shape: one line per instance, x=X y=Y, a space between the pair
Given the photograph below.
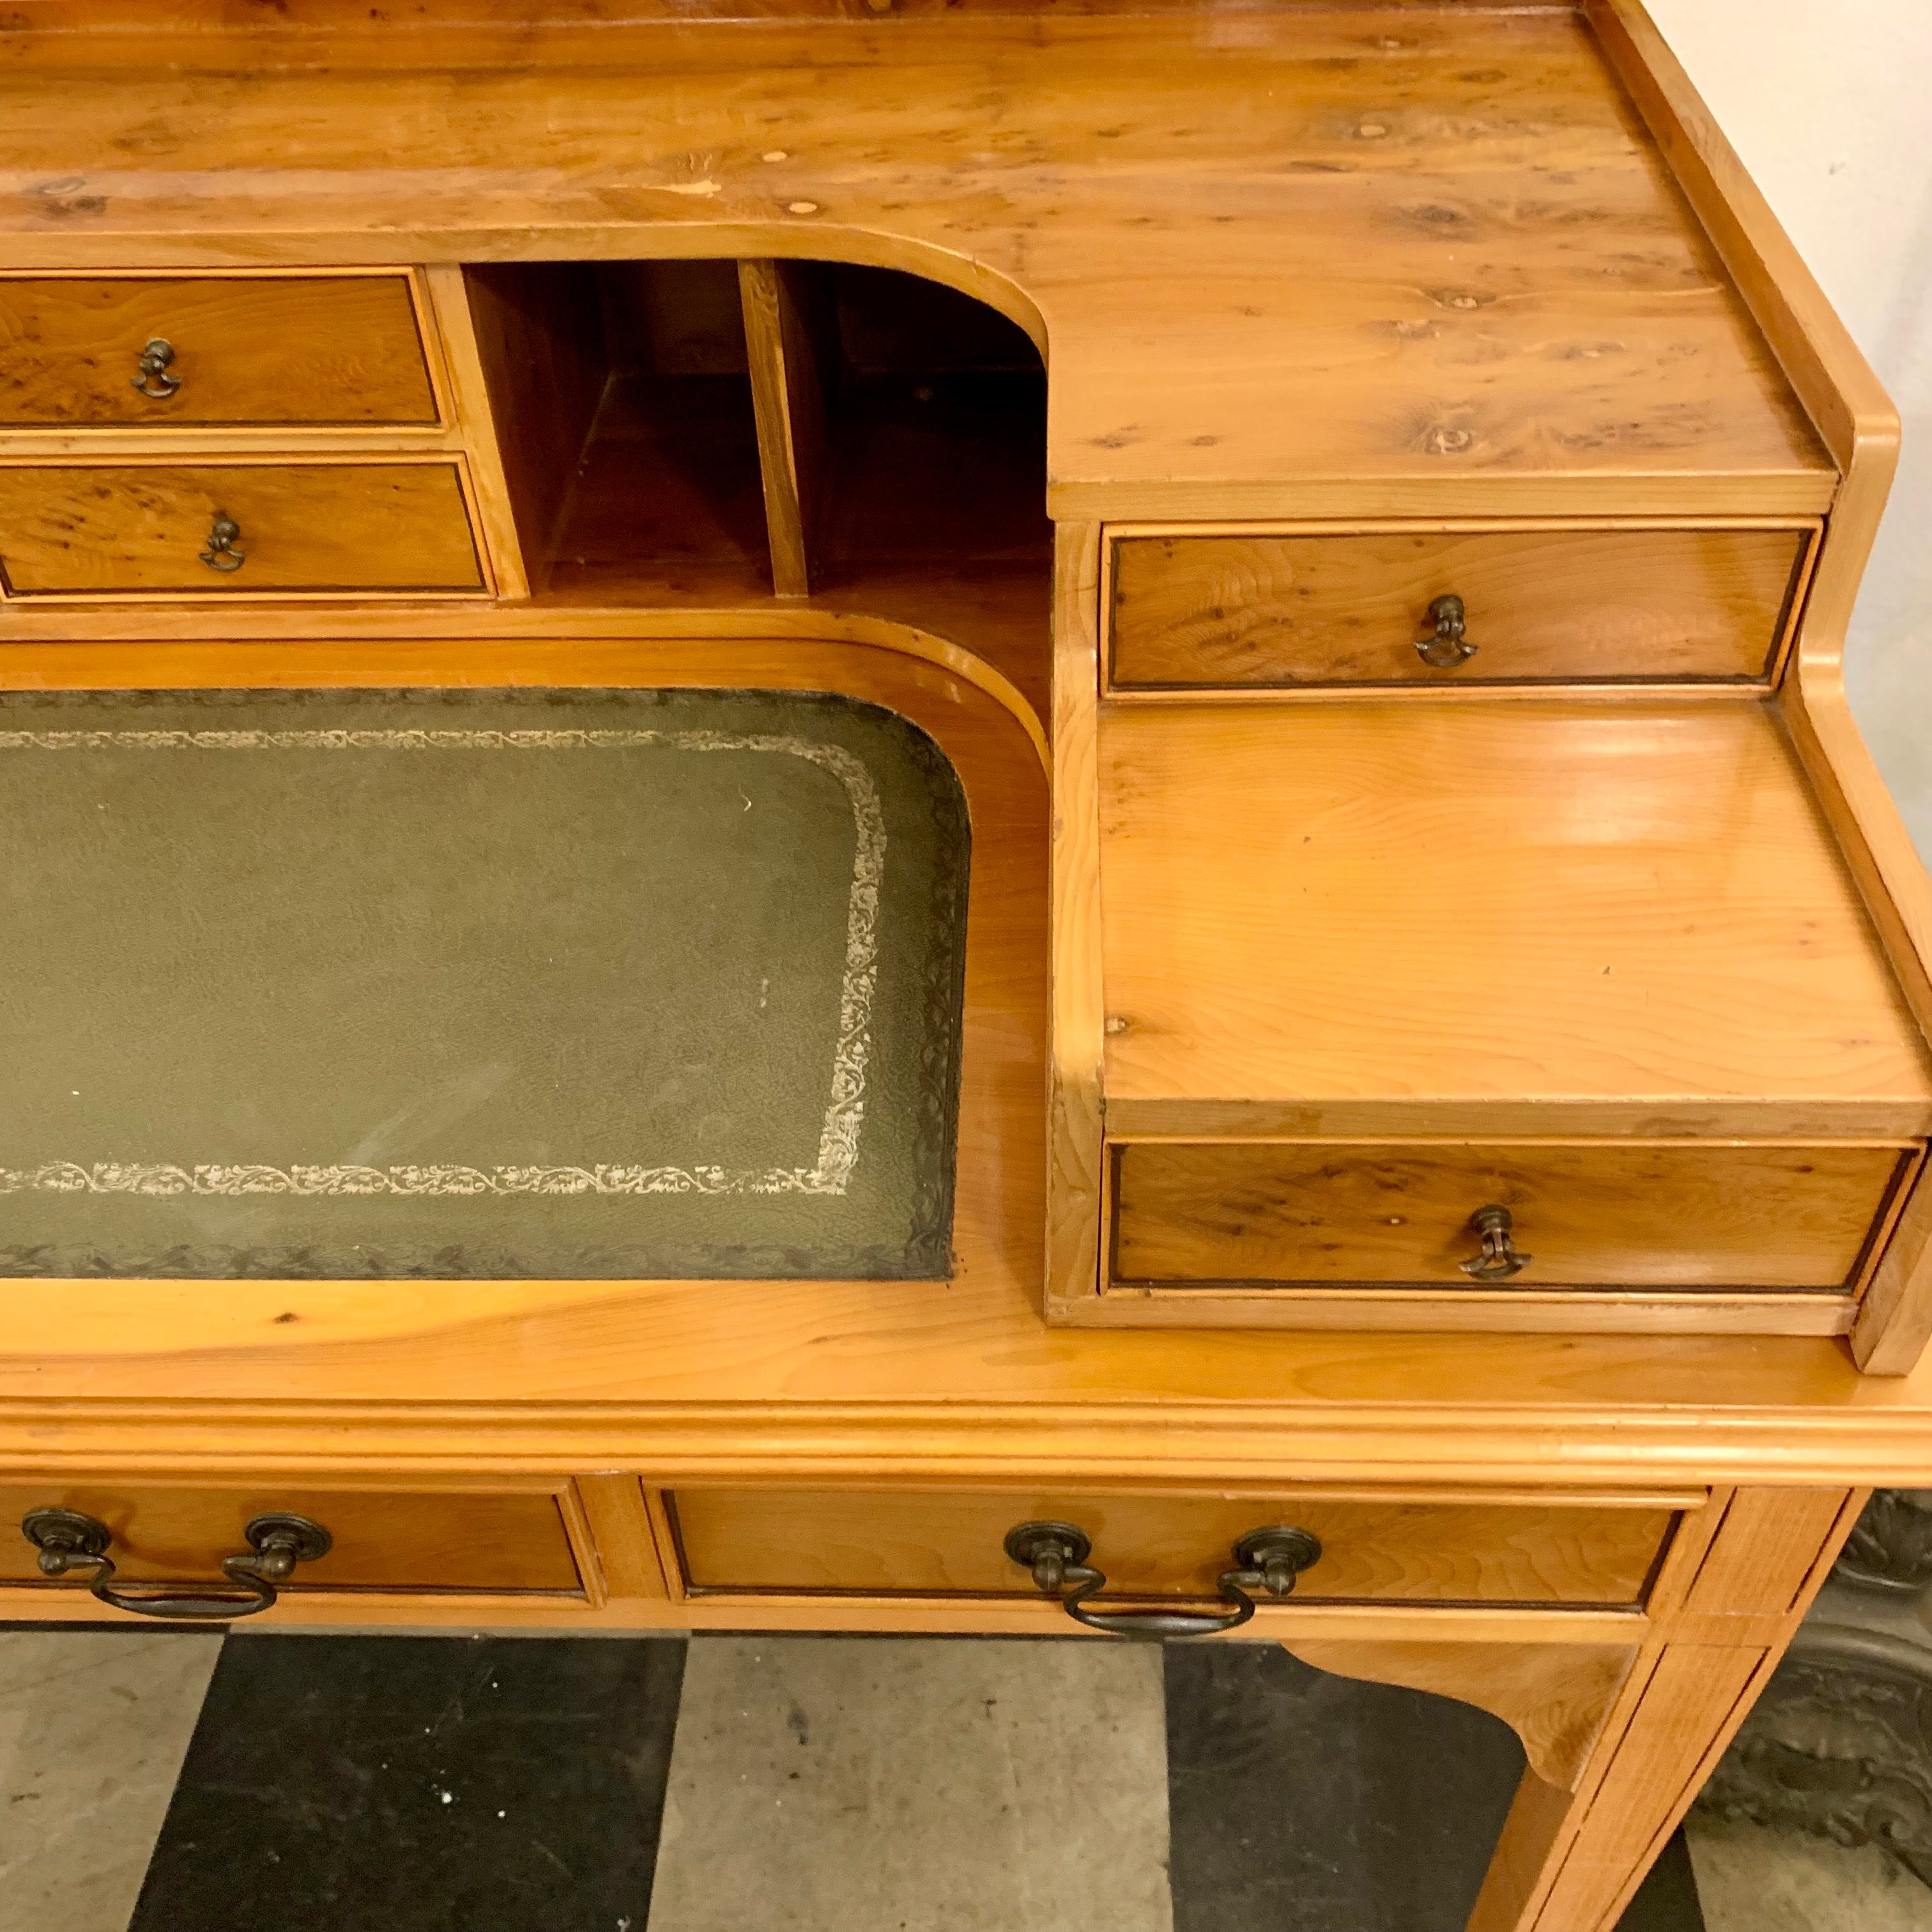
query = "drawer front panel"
x=897 y=1544
x=110 y=530
x=1606 y=1215
x=1233 y=611
x=467 y=1539
x=306 y=352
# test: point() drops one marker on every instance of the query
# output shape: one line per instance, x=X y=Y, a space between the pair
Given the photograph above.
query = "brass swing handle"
x=1446 y=647
x=221 y=553
x=1499 y=1257
x=1057 y=1553
x=68 y=1541
x=151 y=375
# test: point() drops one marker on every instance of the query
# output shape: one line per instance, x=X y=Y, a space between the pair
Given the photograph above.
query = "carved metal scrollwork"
x=1840 y=1746
x=1891 y=1547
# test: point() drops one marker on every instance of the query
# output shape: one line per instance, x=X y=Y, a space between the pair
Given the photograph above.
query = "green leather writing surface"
x=551 y=983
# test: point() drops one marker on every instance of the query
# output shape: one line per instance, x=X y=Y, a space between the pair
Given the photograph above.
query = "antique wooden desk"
x=1410 y=778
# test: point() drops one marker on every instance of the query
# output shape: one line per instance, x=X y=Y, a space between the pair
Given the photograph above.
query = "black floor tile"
x=1303 y=1802
x=1668 y=1901
x=421 y=1784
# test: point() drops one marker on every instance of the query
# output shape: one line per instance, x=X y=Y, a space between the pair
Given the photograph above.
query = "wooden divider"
x=790 y=400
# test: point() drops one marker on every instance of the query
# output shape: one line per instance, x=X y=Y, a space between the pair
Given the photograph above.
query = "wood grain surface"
x=789 y=401
x=386 y=1537
x=883 y=1542
x=1446 y=900
x=1764 y=1550
x=1075 y=1131
x=1730 y=1593
x=542 y=371
x=1332 y=262
x=1587 y=606
x=107 y=529
x=259 y=350
x=1895 y=1323
x=1604 y=1215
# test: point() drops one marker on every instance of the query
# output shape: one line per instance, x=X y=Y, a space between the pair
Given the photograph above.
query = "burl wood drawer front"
x=1610 y=1215
x=236 y=530
x=298 y=352
x=898 y=1544
x=1536 y=605
x=488 y=1540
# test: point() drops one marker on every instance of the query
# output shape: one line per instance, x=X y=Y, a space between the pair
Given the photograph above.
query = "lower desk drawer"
x=1607 y=1215
x=235 y=529
x=898 y=1544
x=486 y=1541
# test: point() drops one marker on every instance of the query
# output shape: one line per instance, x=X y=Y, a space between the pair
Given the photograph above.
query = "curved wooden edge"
x=1843 y=397
x=1859 y=425
x=804 y=239
x=176 y=652
x=1556 y=1697
x=1877 y=847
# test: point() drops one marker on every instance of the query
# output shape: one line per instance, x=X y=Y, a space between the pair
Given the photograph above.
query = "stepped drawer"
x=179 y=1546
x=1444 y=608
x=1610 y=1215
x=891 y=1544
x=184 y=352
x=235 y=529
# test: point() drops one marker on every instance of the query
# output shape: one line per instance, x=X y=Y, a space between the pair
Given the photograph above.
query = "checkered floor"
x=172 y=1781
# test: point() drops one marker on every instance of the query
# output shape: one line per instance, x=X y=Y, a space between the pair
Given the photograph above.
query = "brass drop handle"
x=1057 y=1553
x=69 y=1541
x=151 y=377
x=1446 y=647
x=1500 y=1258
x=221 y=553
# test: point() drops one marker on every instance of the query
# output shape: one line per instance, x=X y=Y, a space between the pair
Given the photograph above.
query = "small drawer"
x=888 y=1544
x=1607 y=1215
x=510 y=1541
x=1448 y=607
x=235 y=529
x=188 y=352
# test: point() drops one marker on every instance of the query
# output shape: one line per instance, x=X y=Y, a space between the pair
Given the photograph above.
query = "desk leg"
x=1739 y=1578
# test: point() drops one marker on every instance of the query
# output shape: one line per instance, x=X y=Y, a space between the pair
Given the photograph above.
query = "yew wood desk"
x=1368 y=502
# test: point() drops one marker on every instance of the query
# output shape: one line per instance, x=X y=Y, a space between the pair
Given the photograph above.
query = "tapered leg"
x=1728 y=1602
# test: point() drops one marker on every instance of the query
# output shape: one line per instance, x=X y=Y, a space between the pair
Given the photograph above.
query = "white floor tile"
x=854 y=1785
x=1751 y=1878
x=93 y=1727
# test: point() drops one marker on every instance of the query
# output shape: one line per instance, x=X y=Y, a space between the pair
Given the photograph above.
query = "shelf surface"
x=1604 y=905
x=1389 y=250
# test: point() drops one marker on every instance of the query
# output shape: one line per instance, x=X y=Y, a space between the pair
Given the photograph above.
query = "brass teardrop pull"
x=1448 y=647
x=1500 y=1258
x=221 y=553
x=150 y=374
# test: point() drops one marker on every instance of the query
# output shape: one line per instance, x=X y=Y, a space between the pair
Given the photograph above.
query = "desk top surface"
x=1282 y=262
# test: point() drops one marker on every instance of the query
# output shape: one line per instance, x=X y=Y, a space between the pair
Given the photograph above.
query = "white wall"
x=1829 y=103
